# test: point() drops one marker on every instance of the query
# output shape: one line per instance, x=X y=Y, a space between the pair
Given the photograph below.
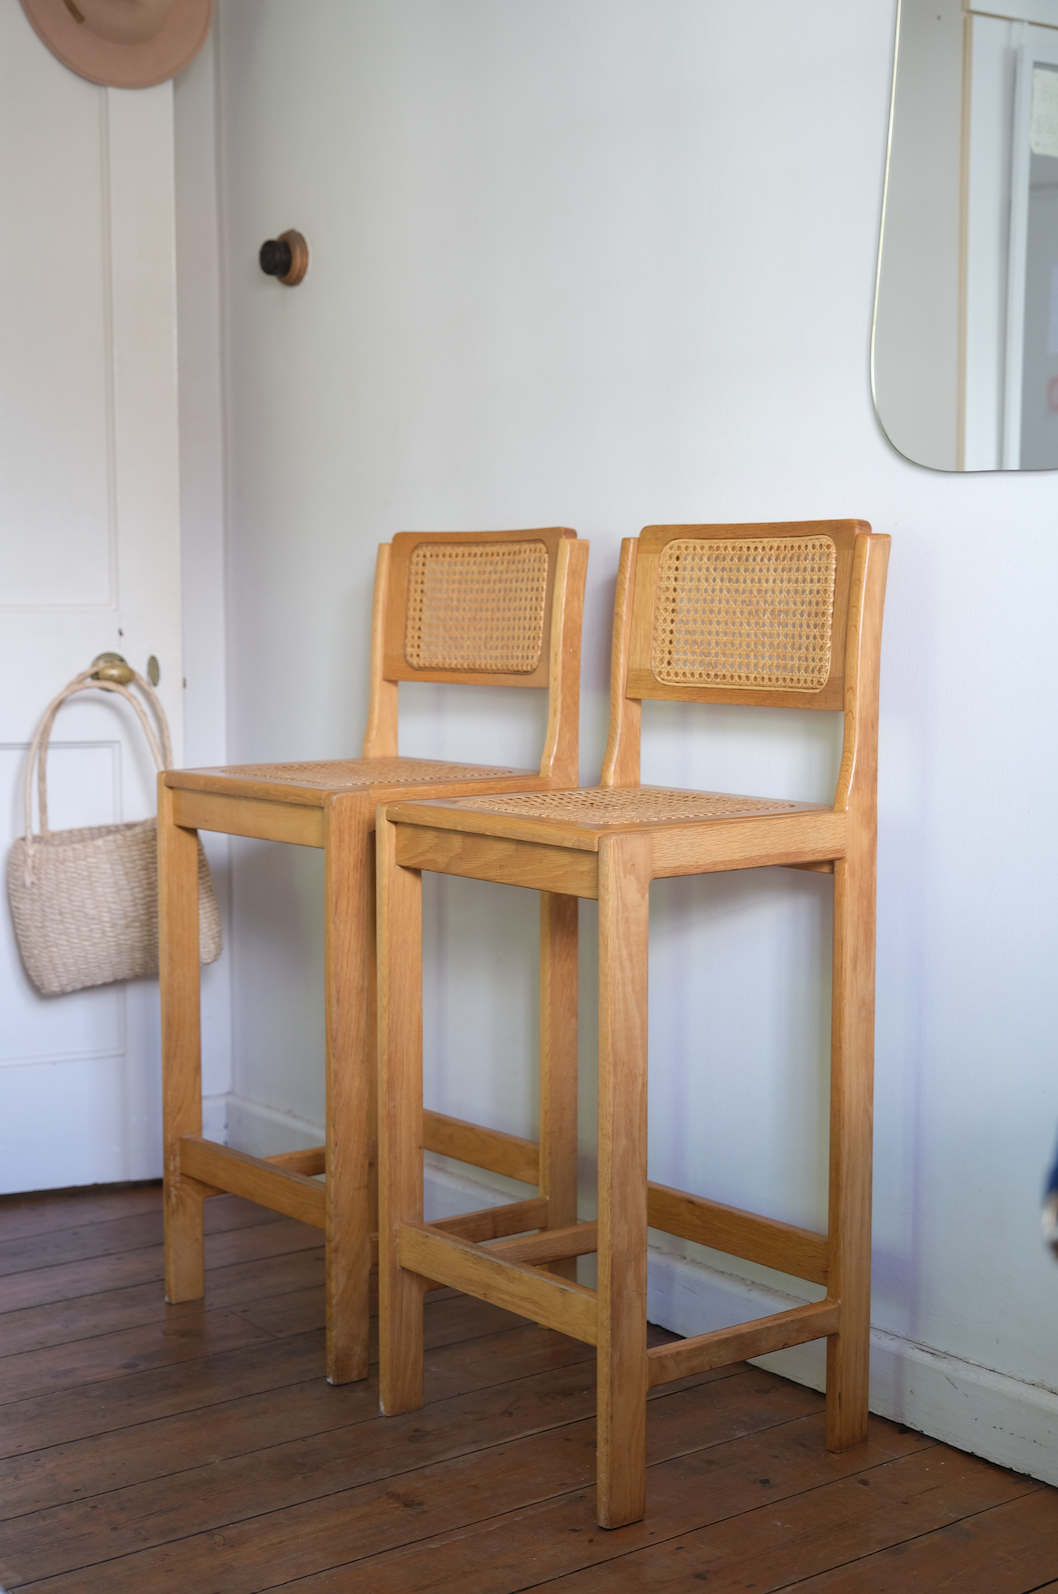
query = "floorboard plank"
x=29 y=1252
x=779 y=1546
x=114 y=1404
x=336 y=1535
x=1003 y=1551
x=93 y=1275
x=558 y=1537
x=280 y=1476
x=199 y=1449
x=86 y=1317
x=419 y=1475
x=59 y=1209
x=176 y=1338
x=130 y=1397
x=68 y=1281
x=106 y=1462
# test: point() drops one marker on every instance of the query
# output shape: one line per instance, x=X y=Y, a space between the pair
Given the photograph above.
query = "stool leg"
x=178 y=968
x=624 y=901
x=558 y=1065
x=349 y=983
x=851 y=1090
x=400 y=1172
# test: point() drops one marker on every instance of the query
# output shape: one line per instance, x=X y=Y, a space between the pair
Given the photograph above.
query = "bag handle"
x=38 y=751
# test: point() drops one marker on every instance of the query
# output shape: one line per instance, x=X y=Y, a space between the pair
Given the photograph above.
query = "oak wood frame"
x=278 y=806
x=615 y=864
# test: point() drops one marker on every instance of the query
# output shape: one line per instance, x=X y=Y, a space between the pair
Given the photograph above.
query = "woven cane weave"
x=345 y=774
x=745 y=612
x=476 y=608
x=617 y=805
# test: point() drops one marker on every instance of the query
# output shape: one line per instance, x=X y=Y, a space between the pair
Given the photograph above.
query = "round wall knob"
x=285 y=257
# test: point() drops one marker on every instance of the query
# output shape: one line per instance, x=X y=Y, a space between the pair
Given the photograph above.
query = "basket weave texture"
x=477 y=608
x=85 y=901
x=618 y=805
x=746 y=612
x=85 y=905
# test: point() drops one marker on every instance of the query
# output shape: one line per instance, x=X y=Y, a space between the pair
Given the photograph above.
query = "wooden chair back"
x=486 y=608
x=777 y=614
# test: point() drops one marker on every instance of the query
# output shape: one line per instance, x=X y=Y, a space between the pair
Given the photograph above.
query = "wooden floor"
x=197 y=1448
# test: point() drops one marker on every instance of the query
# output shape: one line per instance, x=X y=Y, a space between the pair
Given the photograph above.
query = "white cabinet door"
x=89 y=560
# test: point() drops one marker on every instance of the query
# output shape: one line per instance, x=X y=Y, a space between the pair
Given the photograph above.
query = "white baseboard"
x=215 y=1118
x=974 y=1408
x=265 y=1131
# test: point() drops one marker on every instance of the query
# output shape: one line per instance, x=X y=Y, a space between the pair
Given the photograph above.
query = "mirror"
x=964 y=357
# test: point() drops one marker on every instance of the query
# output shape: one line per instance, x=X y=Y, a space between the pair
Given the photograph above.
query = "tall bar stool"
x=762 y=615
x=495 y=608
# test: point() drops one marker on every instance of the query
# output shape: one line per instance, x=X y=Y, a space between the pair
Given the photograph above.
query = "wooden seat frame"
x=566 y=860
x=333 y=806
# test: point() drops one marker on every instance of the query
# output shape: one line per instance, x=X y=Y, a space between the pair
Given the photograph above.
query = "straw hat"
x=122 y=44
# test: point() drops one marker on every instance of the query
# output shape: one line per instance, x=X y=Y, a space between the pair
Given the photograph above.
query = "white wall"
x=609 y=262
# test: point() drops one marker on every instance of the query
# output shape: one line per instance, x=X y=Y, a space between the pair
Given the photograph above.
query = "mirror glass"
x=965 y=350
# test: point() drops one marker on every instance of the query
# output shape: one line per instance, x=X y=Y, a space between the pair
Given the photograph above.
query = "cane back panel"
x=471 y=609
x=743 y=614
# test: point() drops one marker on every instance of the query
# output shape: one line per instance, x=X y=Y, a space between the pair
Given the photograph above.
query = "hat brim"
x=122 y=66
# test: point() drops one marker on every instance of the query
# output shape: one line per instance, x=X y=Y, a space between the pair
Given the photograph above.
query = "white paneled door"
x=89 y=560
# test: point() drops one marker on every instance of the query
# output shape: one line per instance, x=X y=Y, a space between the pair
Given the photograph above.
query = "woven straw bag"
x=85 y=902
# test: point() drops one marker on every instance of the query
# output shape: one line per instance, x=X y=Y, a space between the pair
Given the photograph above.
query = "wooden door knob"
x=285 y=257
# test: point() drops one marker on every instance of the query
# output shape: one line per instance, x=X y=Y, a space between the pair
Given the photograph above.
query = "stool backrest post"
x=380 y=736
x=559 y=761
x=858 y=775
x=488 y=608
x=772 y=615
x=621 y=763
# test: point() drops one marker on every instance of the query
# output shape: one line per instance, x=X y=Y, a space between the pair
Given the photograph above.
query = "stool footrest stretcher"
x=279 y=1188
x=725 y=1345
x=551 y=1301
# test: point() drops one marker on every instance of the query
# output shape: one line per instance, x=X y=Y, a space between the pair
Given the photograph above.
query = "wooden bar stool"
x=494 y=608
x=770 y=615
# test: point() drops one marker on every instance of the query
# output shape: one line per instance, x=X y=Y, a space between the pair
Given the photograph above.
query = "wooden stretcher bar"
x=282 y=1189
x=703 y=1352
x=554 y=1302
